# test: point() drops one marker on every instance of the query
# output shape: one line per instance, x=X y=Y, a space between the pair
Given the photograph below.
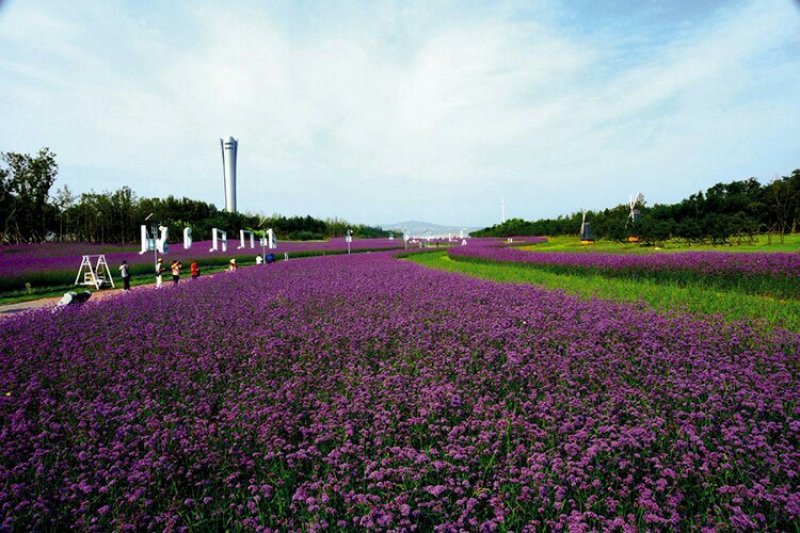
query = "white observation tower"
x=229 y=148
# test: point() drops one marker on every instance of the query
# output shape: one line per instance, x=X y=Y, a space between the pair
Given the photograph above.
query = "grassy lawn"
x=791 y=243
x=668 y=297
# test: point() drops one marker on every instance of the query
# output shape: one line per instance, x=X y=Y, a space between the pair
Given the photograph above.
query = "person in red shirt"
x=195 y=269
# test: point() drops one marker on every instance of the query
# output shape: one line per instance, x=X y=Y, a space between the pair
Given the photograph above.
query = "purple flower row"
x=770 y=264
x=19 y=260
x=363 y=392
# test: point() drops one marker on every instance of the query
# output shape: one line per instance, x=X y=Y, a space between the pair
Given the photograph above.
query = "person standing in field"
x=126 y=276
x=176 y=271
x=195 y=269
x=232 y=266
x=159 y=271
x=259 y=259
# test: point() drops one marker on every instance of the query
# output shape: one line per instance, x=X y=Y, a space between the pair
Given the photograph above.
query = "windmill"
x=587 y=236
x=634 y=215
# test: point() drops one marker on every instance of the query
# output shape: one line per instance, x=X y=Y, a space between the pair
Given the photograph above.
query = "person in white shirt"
x=126 y=276
x=159 y=271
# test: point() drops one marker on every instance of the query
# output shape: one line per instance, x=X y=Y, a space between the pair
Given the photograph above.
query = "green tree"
x=652 y=231
x=63 y=202
x=7 y=205
x=782 y=206
x=26 y=183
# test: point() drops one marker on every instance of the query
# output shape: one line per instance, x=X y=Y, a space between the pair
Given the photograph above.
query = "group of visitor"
x=175 y=269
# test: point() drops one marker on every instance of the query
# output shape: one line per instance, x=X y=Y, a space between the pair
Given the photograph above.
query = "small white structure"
x=187 y=238
x=96 y=274
x=269 y=241
x=218 y=237
x=463 y=242
x=161 y=242
x=242 y=233
x=147 y=245
x=151 y=242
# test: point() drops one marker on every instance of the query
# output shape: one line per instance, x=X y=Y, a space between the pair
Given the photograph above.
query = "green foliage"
x=518 y=227
x=27 y=214
x=25 y=184
x=304 y=235
x=726 y=213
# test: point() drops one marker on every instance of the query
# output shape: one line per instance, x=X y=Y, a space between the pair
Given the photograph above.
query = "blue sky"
x=379 y=112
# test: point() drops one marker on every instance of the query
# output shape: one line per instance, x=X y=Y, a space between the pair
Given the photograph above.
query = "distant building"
x=229 y=148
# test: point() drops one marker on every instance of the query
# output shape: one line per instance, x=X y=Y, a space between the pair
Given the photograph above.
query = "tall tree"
x=29 y=182
x=782 y=205
x=7 y=204
x=63 y=201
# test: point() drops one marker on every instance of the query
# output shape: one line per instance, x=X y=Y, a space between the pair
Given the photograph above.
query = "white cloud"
x=352 y=114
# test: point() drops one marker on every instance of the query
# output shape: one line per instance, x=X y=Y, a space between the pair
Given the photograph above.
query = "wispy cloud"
x=367 y=112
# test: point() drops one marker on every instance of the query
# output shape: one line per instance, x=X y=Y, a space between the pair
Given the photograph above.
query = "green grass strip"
x=664 y=296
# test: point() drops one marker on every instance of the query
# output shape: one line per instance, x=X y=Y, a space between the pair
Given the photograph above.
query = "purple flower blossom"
x=368 y=392
x=709 y=263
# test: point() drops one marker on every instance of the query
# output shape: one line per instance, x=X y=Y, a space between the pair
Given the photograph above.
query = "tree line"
x=726 y=213
x=29 y=213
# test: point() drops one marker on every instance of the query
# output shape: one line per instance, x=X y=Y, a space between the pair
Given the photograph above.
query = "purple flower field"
x=705 y=263
x=19 y=260
x=364 y=392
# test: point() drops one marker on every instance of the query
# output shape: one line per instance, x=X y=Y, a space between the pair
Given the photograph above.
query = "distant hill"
x=421 y=229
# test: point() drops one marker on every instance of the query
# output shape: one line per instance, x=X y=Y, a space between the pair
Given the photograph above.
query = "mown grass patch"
x=665 y=295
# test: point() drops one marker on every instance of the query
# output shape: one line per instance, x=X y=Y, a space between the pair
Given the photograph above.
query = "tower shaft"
x=229 y=147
